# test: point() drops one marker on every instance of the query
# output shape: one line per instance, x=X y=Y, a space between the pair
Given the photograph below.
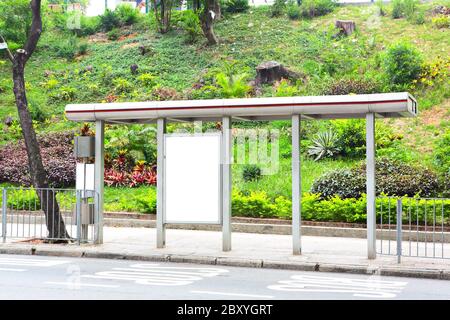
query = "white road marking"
x=233 y=294
x=75 y=284
x=368 y=288
x=31 y=262
x=154 y=274
x=12 y=269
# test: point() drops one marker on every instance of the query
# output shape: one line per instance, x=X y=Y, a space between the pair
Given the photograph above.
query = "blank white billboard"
x=81 y=183
x=192 y=178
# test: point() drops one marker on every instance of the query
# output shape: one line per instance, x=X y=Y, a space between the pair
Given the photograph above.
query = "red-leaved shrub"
x=57 y=156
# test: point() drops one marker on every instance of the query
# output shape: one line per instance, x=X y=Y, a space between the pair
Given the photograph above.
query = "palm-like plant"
x=324 y=145
x=233 y=85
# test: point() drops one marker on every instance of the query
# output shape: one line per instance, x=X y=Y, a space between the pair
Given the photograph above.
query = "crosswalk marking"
x=31 y=262
x=247 y=295
x=154 y=274
x=12 y=269
x=76 y=284
x=367 y=288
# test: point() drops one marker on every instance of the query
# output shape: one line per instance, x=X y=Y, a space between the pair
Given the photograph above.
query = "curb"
x=439 y=274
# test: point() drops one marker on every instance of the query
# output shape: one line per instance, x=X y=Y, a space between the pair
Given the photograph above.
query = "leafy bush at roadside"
x=342 y=182
x=352 y=210
x=393 y=178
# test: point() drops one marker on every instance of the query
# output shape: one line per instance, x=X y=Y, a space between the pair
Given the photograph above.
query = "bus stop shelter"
x=295 y=109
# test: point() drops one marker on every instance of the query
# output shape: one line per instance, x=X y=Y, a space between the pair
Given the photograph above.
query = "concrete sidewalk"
x=327 y=254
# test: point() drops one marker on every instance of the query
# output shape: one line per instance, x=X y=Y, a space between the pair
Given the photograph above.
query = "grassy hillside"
x=172 y=68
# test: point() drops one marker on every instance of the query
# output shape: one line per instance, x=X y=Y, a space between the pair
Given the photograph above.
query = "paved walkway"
x=252 y=250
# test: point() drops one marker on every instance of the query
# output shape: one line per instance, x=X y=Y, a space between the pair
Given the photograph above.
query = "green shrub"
x=37 y=113
x=65 y=93
x=89 y=25
x=409 y=8
x=351 y=137
x=403 y=64
x=418 y=17
x=277 y=8
x=236 y=6
x=293 y=11
x=316 y=8
x=147 y=80
x=341 y=182
x=147 y=203
x=380 y=5
x=441 y=21
x=67 y=48
x=393 y=178
x=233 y=85
x=190 y=23
x=82 y=48
x=445 y=185
x=284 y=89
x=397 y=9
x=113 y=35
x=109 y=20
x=126 y=14
x=441 y=154
x=251 y=173
x=351 y=210
x=122 y=85
x=257 y=205
x=23 y=199
x=205 y=92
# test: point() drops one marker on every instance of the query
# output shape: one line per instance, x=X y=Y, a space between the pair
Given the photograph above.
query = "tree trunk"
x=47 y=197
x=272 y=71
x=217 y=10
x=207 y=20
x=55 y=224
x=345 y=26
x=195 y=5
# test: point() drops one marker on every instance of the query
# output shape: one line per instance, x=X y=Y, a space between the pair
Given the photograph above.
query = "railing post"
x=399 y=230
x=78 y=214
x=4 y=217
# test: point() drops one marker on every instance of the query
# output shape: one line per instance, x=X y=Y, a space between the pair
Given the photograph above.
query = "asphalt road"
x=37 y=277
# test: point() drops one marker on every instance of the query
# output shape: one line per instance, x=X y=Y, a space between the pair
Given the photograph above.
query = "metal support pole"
x=370 y=185
x=146 y=6
x=296 y=187
x=78 y=215
x=4 y=217
x=99 y=168
x=160 y=227
x=399 y=230
x=226 y=183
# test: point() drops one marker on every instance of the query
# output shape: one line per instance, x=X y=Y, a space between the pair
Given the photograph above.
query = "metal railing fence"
x=49 y=214
x=413 y=227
